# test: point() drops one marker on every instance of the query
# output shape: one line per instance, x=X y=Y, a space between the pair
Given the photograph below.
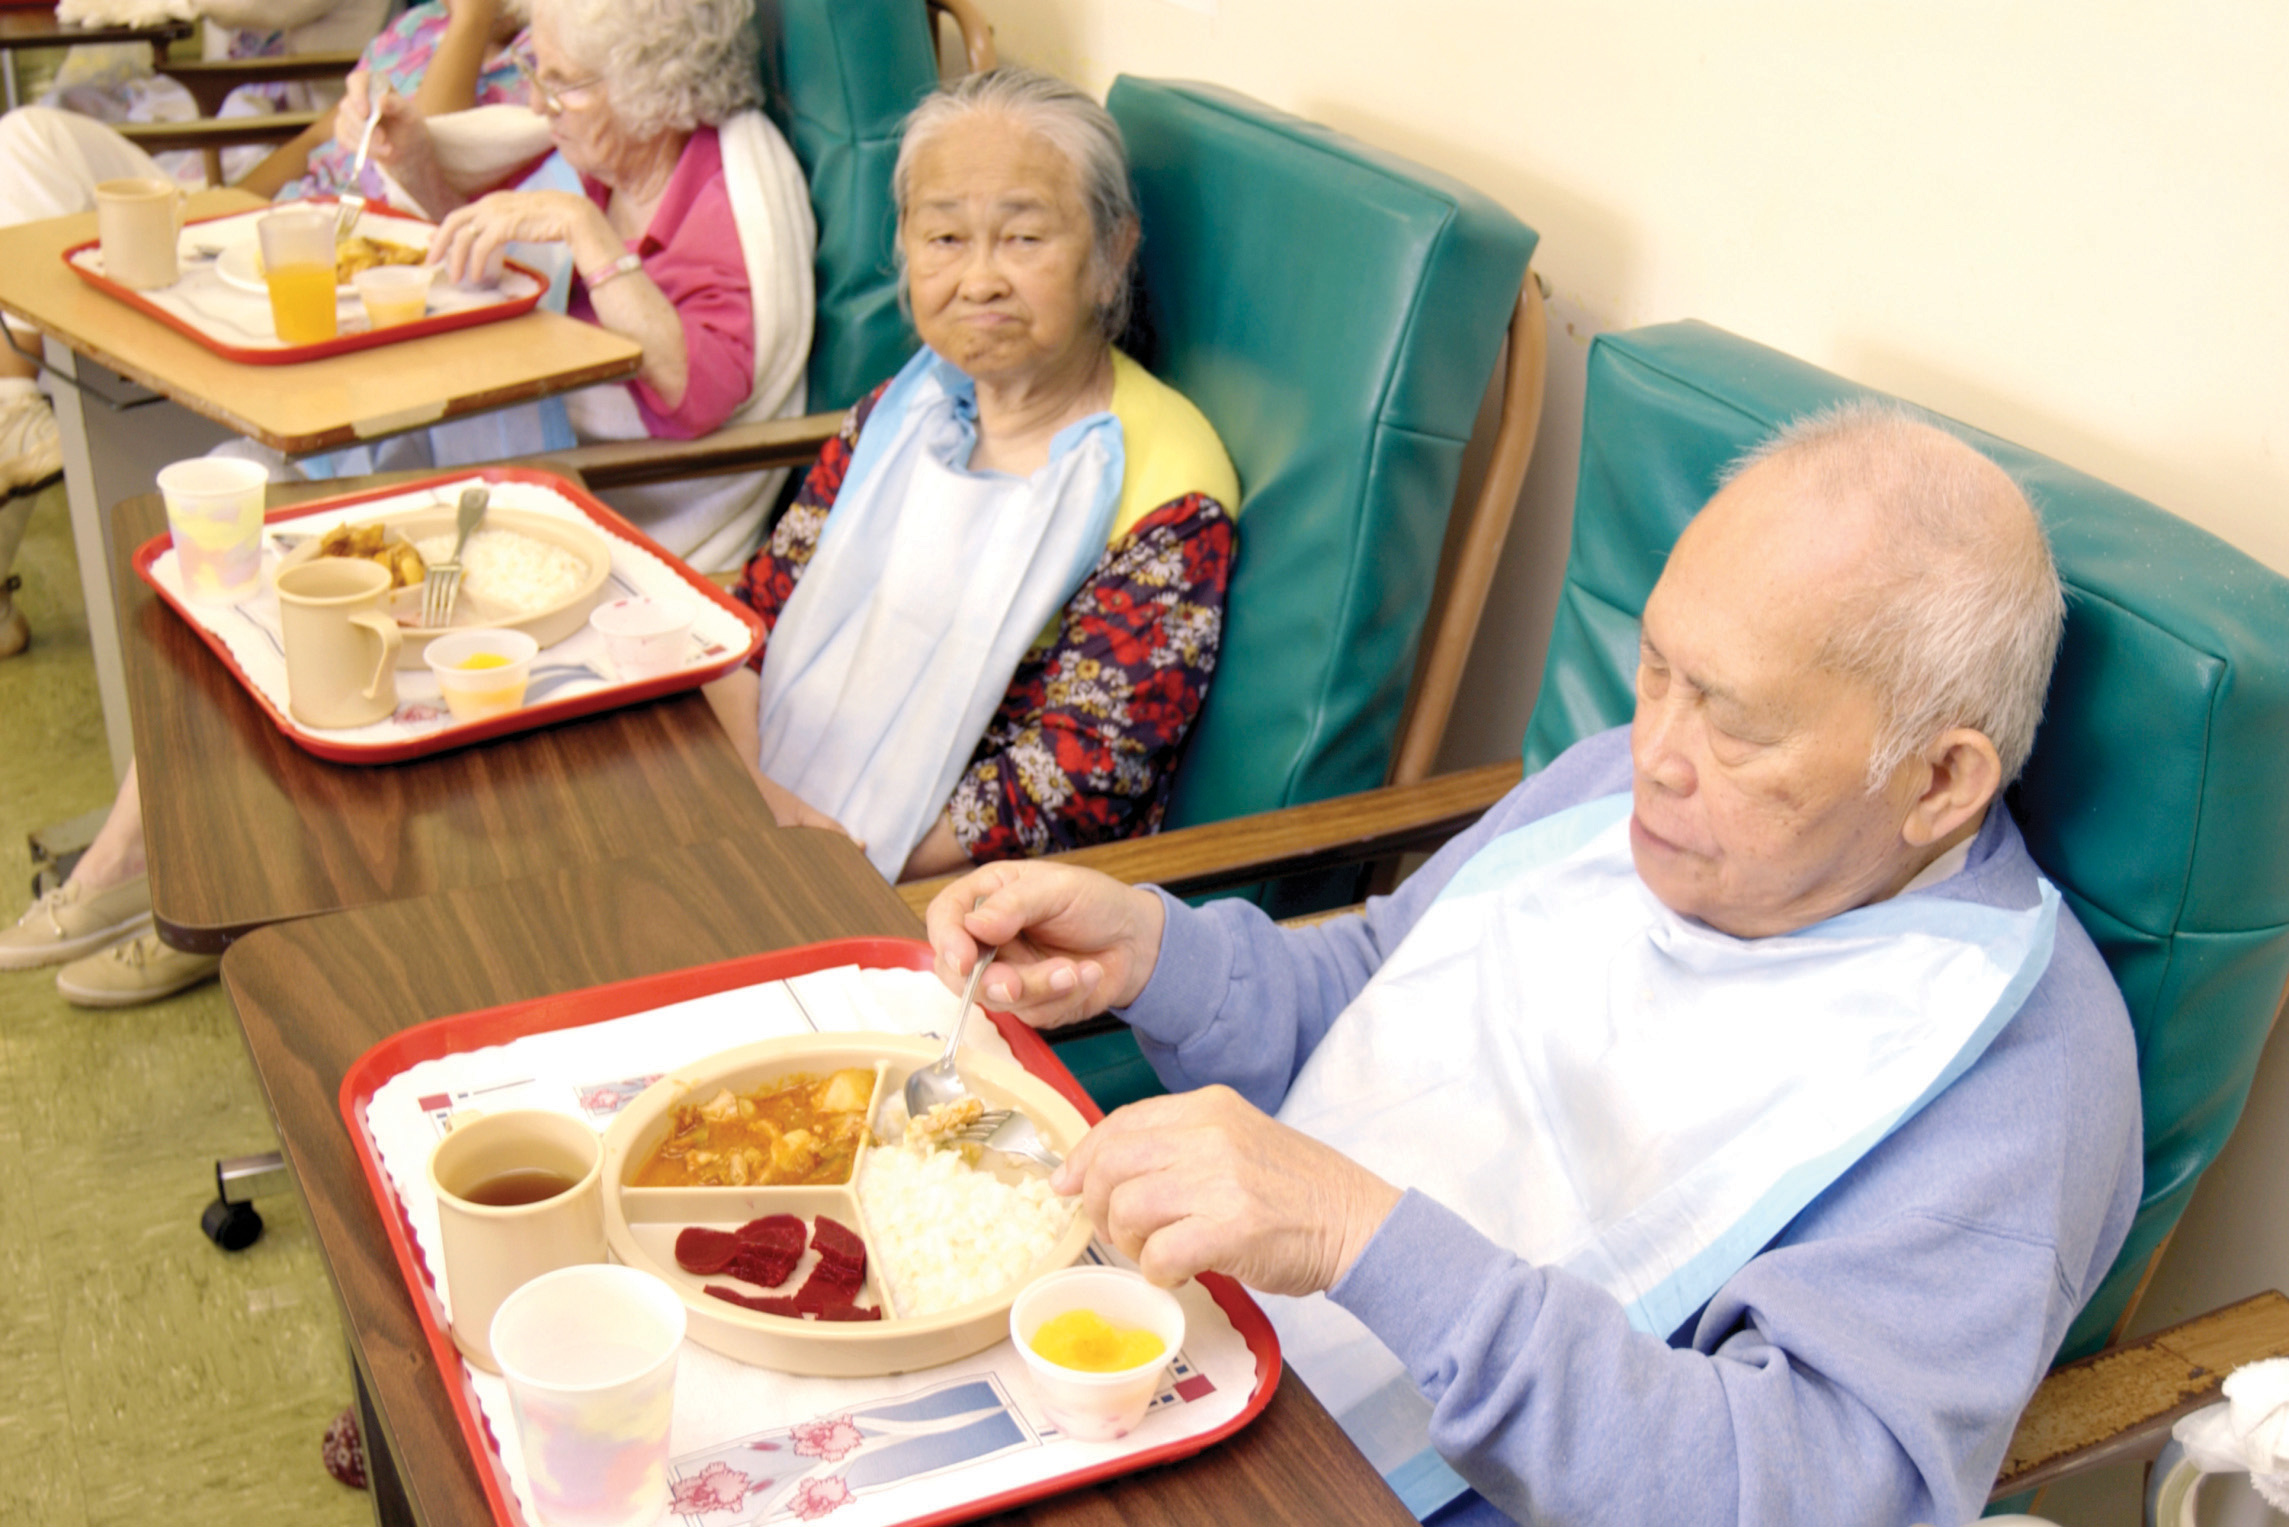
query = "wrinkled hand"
x=1073 y=942
x=350 y=114
x=473 y=241
x=1204 y=1182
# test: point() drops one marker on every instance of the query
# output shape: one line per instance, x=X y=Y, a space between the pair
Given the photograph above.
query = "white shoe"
x=69 y=922
x=132 y=973
x=31 y=452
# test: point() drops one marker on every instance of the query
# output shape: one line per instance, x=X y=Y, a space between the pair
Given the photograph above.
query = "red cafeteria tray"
x=340 y=344
x=461 y=734
x=597 y=1004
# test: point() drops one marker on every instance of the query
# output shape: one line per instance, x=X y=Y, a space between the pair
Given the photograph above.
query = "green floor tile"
x=145 y=1376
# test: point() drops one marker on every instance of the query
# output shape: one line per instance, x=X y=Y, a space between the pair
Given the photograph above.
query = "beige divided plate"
x=642 y=1223
x=547 y=627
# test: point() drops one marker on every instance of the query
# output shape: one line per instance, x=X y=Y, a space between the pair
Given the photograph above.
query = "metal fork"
x=352 y=205
x=1011 y=1133
x=441 y=585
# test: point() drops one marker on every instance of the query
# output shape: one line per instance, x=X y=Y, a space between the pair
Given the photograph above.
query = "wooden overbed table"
x=171 y=398
x=243 y=828
x=315 y=994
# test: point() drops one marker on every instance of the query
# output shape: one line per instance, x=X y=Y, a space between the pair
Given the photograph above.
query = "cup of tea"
x=519 y=1194
x=136 y=223
x=341 y=647
x=298 y=268
x=590 y=1356
x=214 y=510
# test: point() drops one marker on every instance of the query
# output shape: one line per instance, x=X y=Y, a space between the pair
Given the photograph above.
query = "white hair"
x=667 y=65
x=1069 y=121
x=1958 y=621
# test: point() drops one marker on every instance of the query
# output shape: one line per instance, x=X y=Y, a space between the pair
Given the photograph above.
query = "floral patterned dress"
x=400 y=54
x=1082 y=749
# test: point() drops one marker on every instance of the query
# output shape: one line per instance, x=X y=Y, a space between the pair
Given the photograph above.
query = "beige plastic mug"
x=136 y=222
x=519 y=1194
x=341 y=650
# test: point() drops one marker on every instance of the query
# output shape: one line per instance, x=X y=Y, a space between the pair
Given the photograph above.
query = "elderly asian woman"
x=995 y=605
x=691 y=234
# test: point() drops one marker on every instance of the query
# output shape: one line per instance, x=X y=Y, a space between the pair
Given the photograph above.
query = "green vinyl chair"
x=2153 y=799
x=1337 y=313
x=839 y=77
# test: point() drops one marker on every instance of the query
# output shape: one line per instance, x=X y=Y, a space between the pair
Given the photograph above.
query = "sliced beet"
x=825 y=1289
x=786 y=1307
x=771 y=1229
x=704 y=1251
x=848 y=1312
x=838 y=1243
x=762 y=1266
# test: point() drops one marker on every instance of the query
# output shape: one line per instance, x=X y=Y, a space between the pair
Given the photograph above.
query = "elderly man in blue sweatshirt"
x=1728 y=1126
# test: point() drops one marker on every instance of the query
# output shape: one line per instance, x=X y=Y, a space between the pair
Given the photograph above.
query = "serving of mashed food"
x=946 y=1231
x=513 y=574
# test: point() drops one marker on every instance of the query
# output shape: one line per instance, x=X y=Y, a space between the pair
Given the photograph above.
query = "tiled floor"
x=145 y=1376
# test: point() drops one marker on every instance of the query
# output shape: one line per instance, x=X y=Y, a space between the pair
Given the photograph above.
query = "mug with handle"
x=341 y=649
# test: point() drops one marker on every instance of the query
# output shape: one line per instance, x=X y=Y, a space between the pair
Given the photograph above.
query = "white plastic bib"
x=928 y=585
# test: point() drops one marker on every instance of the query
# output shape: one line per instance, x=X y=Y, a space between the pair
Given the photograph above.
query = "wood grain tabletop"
x=244 y=828
x=313 y=995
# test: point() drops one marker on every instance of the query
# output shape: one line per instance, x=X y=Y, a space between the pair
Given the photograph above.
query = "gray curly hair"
x=1959 y=619
x=1071 y=122
x=667 y=65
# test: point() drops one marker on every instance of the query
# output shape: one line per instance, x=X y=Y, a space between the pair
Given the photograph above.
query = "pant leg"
x=51 y=160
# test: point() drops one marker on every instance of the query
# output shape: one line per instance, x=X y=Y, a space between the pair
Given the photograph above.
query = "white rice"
x=943 y=1232
x=513 y=573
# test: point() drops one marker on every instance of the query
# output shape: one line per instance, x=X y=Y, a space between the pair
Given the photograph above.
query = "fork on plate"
x=352 y=205
x=441 y=585
x=1011 y=1133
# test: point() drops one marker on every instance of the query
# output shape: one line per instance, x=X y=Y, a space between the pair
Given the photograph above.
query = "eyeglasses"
x=548 y=96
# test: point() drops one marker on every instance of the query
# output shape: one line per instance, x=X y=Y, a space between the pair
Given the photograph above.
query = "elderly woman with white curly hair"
x=691 y=234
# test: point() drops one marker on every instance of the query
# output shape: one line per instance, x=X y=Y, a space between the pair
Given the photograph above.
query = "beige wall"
x=2064 y=221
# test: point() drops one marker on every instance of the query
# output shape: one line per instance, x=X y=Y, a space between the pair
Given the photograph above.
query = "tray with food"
x=849 y=1284
x=563 y=609
x=221 y=297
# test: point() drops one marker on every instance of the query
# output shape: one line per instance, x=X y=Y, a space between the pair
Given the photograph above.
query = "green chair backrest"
x=2154 y=797
x=1336 y=312
x=839 y=77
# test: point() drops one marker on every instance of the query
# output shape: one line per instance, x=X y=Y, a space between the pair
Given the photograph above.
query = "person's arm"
x=1065 y=762
x=288 y=161
x=449 y=83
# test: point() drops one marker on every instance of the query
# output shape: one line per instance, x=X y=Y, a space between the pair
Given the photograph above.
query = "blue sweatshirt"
x=1866 y=1367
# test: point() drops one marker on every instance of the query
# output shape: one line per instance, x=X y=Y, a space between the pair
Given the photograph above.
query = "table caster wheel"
x=233 y=1227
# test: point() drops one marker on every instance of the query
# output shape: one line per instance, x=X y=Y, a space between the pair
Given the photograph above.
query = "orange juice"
x=302 y=302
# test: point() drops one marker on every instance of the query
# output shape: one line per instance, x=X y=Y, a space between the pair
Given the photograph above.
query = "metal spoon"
x=941 y=1083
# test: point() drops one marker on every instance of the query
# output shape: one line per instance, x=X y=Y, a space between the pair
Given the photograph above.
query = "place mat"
x=572 y=677
x=235 y=323
x=751 y=1445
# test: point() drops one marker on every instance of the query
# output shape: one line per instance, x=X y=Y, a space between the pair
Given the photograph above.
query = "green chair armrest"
x=741 y=448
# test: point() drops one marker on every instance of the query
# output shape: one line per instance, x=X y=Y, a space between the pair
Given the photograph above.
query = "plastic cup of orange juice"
x=483 y=673
x=394 y=294
x=298 y=267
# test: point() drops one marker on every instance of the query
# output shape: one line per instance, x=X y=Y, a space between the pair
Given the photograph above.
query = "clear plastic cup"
x=483 y=673
x=643 y=637
x=394 y=294
x=590 y=1358
x=298 y=270
x=214 y=509
x=1097 y=1407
